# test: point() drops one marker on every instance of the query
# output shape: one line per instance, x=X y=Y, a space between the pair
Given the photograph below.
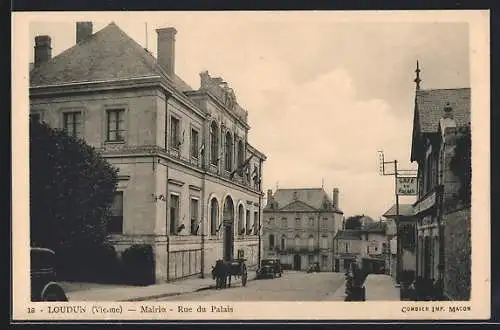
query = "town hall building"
x=189 y=180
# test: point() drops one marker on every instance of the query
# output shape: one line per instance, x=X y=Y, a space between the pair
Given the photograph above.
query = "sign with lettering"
x=406 y=185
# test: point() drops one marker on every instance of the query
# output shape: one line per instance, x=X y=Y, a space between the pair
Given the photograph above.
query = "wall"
x=140 y=118
x=457 y=246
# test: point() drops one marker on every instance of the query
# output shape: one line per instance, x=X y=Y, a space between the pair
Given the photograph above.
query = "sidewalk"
x=142 y=293
x=381 y=287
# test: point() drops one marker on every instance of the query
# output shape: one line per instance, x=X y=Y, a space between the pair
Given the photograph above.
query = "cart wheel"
x=244 y=276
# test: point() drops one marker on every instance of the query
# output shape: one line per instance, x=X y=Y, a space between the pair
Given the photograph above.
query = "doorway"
x=337 y=265
x=296 y=262
x=228 y=222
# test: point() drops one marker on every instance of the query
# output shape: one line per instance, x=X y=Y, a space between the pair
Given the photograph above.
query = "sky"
x=323 y=95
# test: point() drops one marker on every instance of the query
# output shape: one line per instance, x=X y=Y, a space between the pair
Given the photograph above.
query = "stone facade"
x=171 y=193
x=299 y=230
x=443 y=220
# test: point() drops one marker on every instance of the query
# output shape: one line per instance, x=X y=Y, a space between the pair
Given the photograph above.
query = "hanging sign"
x=406 y=185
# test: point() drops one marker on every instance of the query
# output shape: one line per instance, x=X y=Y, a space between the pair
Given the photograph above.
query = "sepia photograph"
x=188 y=162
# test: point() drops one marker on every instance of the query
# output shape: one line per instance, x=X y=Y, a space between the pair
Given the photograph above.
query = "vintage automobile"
x=43 y=276
x=269 y=268
x=313 y=268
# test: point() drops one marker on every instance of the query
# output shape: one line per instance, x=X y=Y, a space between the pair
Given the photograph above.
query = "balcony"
x=210 y=168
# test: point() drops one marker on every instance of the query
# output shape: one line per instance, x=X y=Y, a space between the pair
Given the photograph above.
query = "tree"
x=71 y=190
x=460 y=164
x=353 y=222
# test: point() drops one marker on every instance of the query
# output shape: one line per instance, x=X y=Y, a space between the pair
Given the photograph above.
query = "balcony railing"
x=211 y=168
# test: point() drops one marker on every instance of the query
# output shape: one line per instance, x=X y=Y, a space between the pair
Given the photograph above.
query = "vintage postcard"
x=315 y=165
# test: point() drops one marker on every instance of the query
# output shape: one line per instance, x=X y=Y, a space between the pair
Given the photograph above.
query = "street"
x=293 y=286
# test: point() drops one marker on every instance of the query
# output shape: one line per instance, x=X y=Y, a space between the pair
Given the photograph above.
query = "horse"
x=221 y=272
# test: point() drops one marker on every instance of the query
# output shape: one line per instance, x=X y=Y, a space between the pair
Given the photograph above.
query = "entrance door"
x=228 y=242
x=337 y=265
x=296 y=262
x=228 y=222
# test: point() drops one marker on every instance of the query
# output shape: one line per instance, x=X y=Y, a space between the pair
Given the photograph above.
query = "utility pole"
x=396 y=217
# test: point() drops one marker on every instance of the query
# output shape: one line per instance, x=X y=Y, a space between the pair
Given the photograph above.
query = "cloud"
x=318 y=130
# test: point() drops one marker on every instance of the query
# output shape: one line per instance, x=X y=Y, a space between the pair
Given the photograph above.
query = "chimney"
x=166 y=49
x=83 y=31
x=336 y=198
x=43 y=50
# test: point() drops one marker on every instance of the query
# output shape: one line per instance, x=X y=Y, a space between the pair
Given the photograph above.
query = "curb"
x=171 y=294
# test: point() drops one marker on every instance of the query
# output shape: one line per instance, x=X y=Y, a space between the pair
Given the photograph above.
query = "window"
x=324 y=224
x=214 y=143
x=241 y=220
x=368 y=249
x=346 y=247
x=175 y=141
x=324 y=242
x=297 y=242
x=229 y=152
x=311 y=222
x=324 y=261
x=194 y=217
x=240 y=153
x=297 y=223
x=248 y=222
x=271 y=241
x=284 y=222
x=35 y=117
x=115 y=224
x=174 y=214
x=311 y=243
x=214 y=213
x=73 y=123
x=194 y=143
x=256 y=222
x=283 y=242
x=116 y=125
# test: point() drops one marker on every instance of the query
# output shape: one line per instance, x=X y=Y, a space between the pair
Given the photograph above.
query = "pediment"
x=297 y=206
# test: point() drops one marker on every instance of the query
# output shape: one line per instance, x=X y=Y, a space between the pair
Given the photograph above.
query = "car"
x=269 y=268
x=43 y=276
x=313 y=268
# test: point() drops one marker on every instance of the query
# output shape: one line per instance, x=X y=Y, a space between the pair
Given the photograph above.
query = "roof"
x=430 y=104
x=108 y=54
x=313 y=197
x=348 y=234
x=404 y=210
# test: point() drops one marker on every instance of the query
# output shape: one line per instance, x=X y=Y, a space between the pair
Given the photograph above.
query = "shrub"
x=139 y=265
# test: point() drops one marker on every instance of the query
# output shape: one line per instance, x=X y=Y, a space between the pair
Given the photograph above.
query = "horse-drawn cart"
x=224 y=270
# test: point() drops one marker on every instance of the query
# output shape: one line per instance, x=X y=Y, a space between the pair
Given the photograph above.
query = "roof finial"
x=417 y=79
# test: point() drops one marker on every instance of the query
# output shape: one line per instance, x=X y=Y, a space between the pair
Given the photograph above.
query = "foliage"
x=71 y=190
x=461 y=165
x=139 y=264
x=353 y=222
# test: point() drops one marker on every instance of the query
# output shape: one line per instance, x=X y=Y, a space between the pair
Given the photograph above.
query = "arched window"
x=214 y=214
x=229 y=152
x=297 y=242
x=240 y=153
x=311 y=243
x=241 y=220
x=214 y=143
x=271 y=241
x=283 y=242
